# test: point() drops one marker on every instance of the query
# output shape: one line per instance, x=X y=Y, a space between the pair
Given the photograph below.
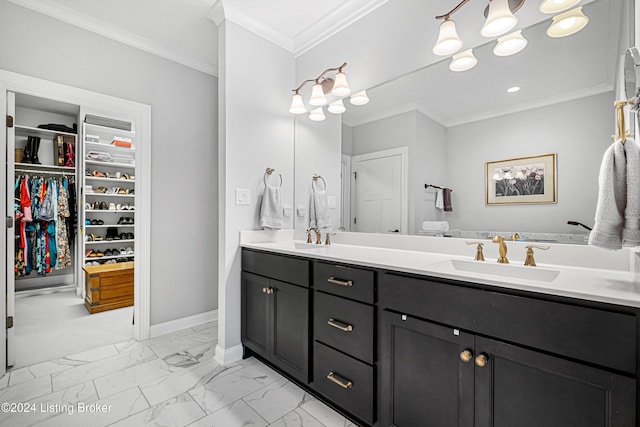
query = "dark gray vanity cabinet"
x=452 y=354
x=344 y=332
x=275 y=310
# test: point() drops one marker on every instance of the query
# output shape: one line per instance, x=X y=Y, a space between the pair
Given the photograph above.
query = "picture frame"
x=521 y=180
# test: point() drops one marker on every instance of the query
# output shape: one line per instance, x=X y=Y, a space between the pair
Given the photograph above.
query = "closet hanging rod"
x=36 y=172
x=436 y=186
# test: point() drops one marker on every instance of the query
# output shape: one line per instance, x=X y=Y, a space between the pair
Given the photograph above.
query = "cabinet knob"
x=466 y=356
x=481 y=360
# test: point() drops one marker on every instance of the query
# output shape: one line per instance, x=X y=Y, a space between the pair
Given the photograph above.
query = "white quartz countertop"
x=608 y=286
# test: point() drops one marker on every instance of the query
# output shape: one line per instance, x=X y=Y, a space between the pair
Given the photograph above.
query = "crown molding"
x=98 y=26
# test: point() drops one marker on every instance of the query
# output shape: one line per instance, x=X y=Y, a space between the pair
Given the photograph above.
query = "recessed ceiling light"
x=513 y=89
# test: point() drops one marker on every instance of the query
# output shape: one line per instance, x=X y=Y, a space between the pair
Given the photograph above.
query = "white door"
x=380 y=191
x=10 y=241
x=345 y=180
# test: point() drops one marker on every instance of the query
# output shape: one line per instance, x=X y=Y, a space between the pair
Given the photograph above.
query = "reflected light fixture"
x=555 y=6
x=567 y=23
x=463 y=61
x=337 y=107
x=317 y=115
x=510 y=44
x=359 y=98
x=513 y=89
x=500 y=19
x=448 y=41
x=324 y=84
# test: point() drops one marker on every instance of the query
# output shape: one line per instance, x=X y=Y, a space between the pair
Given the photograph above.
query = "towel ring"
x=314 y=180
x=269 y=172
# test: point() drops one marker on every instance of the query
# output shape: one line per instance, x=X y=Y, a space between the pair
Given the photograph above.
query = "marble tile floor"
x=171 y=380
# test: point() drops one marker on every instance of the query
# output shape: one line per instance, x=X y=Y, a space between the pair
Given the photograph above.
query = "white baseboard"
x=224 y=356
x=182 y=323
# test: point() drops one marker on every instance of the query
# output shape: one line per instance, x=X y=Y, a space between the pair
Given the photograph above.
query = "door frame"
x=404 y=191
x=345 y=185
x=14 y=82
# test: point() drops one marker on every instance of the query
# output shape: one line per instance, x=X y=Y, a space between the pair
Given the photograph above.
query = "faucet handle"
x=328 y=239
x=529 y=260
x=309 y=235
x=479 y=254
x=514 y=237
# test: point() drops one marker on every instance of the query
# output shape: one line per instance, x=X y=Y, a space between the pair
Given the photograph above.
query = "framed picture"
x=523 y=180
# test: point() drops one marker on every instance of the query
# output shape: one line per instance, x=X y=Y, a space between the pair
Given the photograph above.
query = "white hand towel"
x=612 y=198
x=319 y=210
x=631 y=230
x=441 y=226
x=271 y=209
x=440 y=199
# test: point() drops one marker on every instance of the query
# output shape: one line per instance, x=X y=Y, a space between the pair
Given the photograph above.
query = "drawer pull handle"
x=342 y=382
x=339 y=282
x=340 y=325
x=481 y=360
x=466 y=356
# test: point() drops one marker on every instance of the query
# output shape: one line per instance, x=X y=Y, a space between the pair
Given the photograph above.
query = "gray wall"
x=578 y=131
x=184 y=139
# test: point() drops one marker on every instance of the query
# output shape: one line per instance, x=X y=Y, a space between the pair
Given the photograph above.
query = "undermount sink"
x=505 y=270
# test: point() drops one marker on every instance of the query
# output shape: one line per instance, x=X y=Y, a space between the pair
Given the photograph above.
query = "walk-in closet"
x=71 y=235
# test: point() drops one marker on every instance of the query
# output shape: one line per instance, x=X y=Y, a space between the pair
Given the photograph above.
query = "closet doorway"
x=53 y=181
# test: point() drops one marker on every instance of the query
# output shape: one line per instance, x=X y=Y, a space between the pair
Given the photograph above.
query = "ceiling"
x=185 y=31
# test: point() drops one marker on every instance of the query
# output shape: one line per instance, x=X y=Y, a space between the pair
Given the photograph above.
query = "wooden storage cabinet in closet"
x=344 y=330
x=275 y=310
x=456 y=355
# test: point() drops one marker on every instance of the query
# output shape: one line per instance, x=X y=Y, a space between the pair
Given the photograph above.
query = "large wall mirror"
x=437 y=127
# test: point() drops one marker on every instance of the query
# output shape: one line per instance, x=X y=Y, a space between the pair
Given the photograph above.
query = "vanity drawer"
x=349 y=282
x=352 y=384
x=280 y=267
x=598 y=336
x=344 y=324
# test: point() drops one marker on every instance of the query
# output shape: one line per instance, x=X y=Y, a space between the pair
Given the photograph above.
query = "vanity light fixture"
x=500 y=19
x=463 y=61
x=359 y=98
x=317 y=115
x=555 y=6
x=568 y=23
x=510 y=44
x=317 y=96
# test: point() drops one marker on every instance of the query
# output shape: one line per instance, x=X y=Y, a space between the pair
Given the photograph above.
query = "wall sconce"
x=448 y=40
x=555 y=6
x=500 y=19
x=568 y=23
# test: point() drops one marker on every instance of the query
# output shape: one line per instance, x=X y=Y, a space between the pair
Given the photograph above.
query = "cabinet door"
x=290 y=328
x=518 y=387
x=423 y=380
x=255 y=313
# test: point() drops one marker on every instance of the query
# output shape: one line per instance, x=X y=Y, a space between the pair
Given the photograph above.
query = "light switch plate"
x=287 y=210
x=301 y=210
x=243 y=196
x=332 y=202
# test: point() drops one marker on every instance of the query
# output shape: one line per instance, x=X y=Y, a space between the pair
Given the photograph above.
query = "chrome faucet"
x=502 y=259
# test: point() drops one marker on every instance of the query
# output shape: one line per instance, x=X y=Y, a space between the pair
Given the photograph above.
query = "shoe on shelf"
x=103 y=206
x=112 y=206
x=129 y=251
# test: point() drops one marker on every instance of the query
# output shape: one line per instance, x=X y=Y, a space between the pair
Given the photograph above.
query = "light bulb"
x=555 y=6
x=336 y=107
x=500 y=19
x=297 y=106
x=317 y=95
x=448 y=41
x=359 y=98
x=317 y=115
x=340 y=86
x=510 y=44
x=567 y=23
x=463 y=61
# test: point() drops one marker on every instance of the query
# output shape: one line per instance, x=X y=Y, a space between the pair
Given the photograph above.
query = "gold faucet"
x=479 y=254
x=502 y=259
x=318 y=235
x=309 y=235
x=328 y=239
x=529 y=260
x=514 y=237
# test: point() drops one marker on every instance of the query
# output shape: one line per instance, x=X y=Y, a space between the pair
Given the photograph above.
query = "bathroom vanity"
x=393 y=345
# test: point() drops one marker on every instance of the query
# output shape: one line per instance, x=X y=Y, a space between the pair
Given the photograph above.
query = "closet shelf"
x=44 y=168
x=120 y=180
x=110 y=242
x=109 y=131
x=109 y=226
x=42 y=133
x=109 y=195
x=109 y=147
x=110 y=164
x=100 y=258
x=110 y=210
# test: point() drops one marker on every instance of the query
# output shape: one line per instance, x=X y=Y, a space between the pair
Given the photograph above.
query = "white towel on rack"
x=319 y=210
x=271 y=209
x=612 y=199
x=440 y=199
x=631 y=229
